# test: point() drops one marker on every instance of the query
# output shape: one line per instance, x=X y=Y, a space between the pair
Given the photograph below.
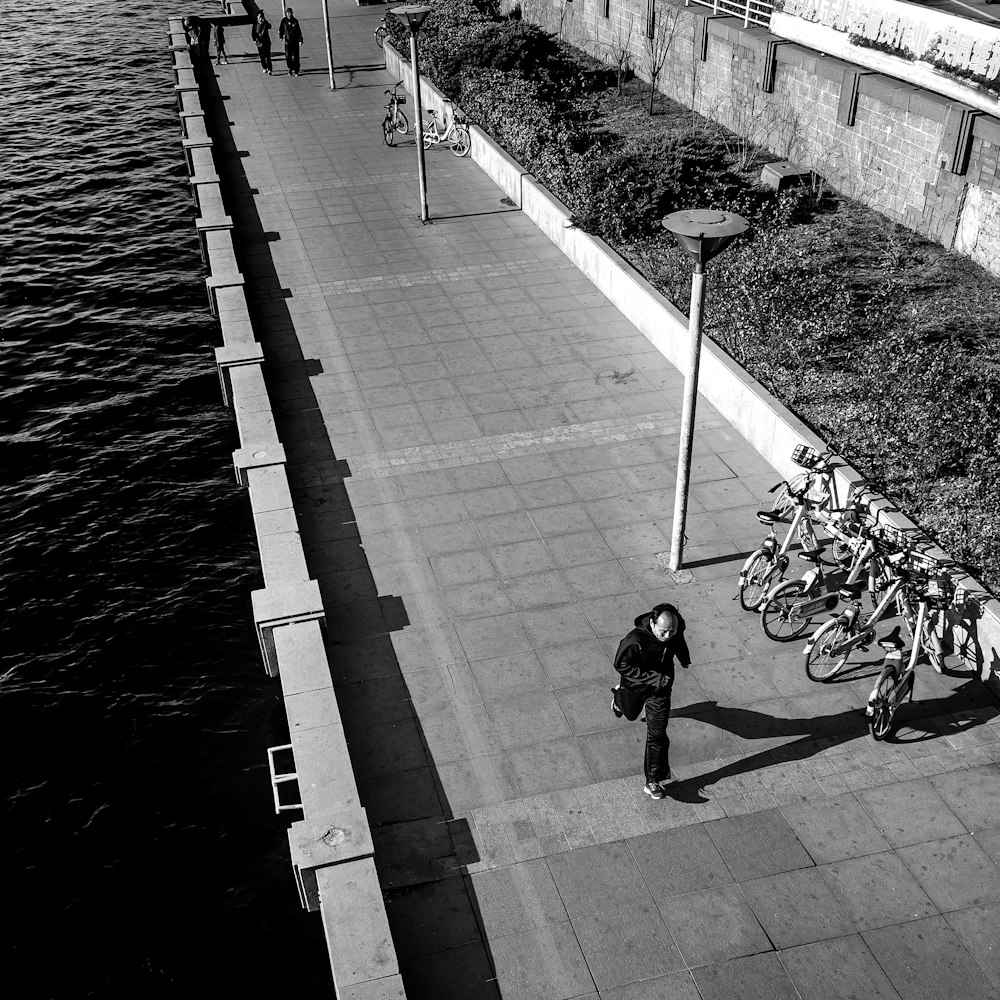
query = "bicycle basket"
x=939 y=591
x=401 y=99
x=804 y=456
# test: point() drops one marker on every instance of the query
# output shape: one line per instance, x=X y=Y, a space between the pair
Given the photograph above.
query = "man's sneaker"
x=654 y=790
x=614 y=702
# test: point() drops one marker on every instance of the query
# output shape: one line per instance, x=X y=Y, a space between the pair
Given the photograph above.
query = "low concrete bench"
x=237 y=331
x=284 y=605
x=233 y=356
x=195 y=137
x=225 y=272
x=202 y=168
x=189 y=103
x=186 y=83
x=182 y=58
x=212 y=215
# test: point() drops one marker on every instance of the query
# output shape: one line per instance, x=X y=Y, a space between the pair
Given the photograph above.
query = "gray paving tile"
x=512 y=899
x=537 y=590
x=587 y=707
x=679 y=861
x=834 y=828
x=476 y=781
x=713 y=925
x=529 y=717
x=577 y=661
x=625 y=944
x=736 y=682
x=503 y=677
x=541 y=962
x=925 y=960
x=433 y=917
x=455 y=974
x=679 y=986
x=458 y=733
x=955 y=873
x=758 y=844
x=546 y=767
x=877 y=890
x=989 y=841
x=594 y=879
x=616 y=752
x=753 y=978
x=972 y=795
x=796 y=908
x=910 y=812
x=487 y=637
x=841 y=967
x=976 y=928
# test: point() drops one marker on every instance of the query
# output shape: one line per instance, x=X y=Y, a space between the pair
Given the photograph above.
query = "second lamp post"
x=703 y=235
x=413 y=14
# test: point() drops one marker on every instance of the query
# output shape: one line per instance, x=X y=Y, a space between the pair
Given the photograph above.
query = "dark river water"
x=141 y=853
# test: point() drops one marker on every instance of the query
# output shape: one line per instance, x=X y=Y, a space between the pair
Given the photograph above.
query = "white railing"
x=751 y=11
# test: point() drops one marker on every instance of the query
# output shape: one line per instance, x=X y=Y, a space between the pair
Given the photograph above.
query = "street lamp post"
x=329 y=44
x=413 y=14
x=702 y=235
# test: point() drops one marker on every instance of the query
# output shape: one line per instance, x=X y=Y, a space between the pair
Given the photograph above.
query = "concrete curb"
x=331 y=846
x=763 y=420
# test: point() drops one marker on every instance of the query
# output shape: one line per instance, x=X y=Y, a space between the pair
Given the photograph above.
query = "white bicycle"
x=455 y=134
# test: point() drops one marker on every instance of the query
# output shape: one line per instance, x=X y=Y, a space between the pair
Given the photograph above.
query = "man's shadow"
x=927 y=720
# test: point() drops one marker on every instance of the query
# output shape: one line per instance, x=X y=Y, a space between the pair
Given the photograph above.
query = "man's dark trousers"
x=657 y=760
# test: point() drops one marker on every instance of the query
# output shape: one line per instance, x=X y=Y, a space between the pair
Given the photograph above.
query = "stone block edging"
x=762 y=419
x=331 y=846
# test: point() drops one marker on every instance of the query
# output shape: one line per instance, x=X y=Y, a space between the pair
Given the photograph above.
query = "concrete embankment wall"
x=927 y=161
x=769 y=426
x=331 y=846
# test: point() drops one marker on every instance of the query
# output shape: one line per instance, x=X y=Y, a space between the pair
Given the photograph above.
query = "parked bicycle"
x=818 y=481
x=791 y=607
x=831 y=645
x=381 y=32
x=455 y=134
x=894 y=684
x=394 y=121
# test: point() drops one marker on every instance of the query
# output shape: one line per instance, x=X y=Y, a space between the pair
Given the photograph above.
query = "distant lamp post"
x=413 y=14
x=329 y=44
x=702 y=234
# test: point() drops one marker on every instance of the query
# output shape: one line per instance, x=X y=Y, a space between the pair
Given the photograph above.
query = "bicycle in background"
x=455 y=133
x=394 y=121
x=790 y=607
x=381 y=32
x=895 y=685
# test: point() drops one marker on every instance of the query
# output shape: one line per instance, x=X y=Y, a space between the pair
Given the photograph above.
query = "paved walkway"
x=483 y=455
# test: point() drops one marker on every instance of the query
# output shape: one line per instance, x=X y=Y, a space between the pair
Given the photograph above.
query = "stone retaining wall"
x=924 y=160
x=331 y=846
x=768 y=425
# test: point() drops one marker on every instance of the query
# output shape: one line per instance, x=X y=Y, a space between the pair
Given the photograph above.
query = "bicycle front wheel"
x=461 y=141
x=779 y=616
x=388 y=133
x=824 y=659
x=402 y=125
x=753 y=589
x=880 y=721
x=380 y=36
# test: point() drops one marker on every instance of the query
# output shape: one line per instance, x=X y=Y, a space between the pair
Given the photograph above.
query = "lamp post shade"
x=704 y=233
x=413 y=14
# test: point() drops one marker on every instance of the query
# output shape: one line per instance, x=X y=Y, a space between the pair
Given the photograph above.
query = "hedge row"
x=883 y=342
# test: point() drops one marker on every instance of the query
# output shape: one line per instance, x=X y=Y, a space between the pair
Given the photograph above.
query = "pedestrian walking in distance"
x=645 y=660
x=291 y=32
x=260 y=32
x=220 y=45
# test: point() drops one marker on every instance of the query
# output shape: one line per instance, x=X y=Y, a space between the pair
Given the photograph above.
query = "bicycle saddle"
x=769 y=517
x=851 y=591
x=812 y=555
x=892 y=641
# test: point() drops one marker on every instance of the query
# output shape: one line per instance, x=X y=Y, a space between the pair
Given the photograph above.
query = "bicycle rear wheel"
x=402 y=125
x=753 y=589
x=824 y=660
x=779 y=617
x=461 y=141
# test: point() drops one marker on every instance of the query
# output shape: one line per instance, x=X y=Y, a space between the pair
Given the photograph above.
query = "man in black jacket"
x=291 y=31
x=645 y=660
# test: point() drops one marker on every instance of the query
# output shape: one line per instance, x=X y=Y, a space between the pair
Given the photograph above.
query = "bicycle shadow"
x=928 y=719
